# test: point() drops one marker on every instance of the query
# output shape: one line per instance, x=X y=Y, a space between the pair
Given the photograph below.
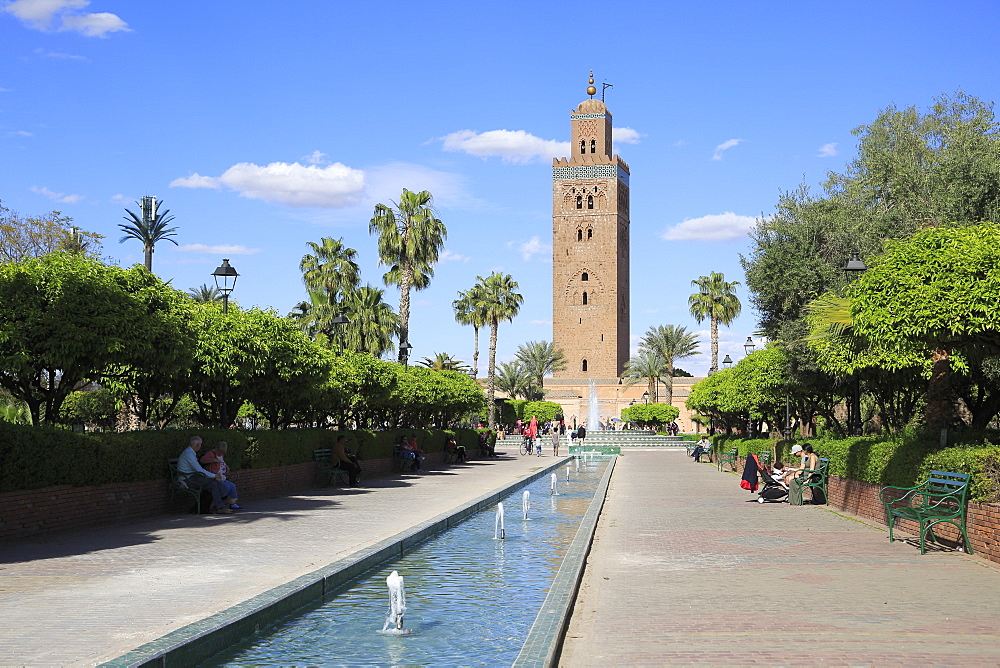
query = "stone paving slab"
x=80 y=598
x=687 y=569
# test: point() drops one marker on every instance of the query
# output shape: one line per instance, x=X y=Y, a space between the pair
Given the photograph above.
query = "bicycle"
x=527 y=446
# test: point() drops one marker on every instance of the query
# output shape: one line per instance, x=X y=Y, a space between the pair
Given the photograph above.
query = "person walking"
x=555 y=442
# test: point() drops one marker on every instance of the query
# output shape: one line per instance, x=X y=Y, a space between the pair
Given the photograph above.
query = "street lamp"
x=855 y=266
x=225 y=280
x=405 y=348
x=749 y=346
x=337 y=323
x=727 y=362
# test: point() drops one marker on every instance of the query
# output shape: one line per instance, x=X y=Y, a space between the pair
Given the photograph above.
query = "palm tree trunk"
x=405 y=280
x=491 y=384
x=669 y=382
x=475 y=353
x=715 y=344
x=149 y=258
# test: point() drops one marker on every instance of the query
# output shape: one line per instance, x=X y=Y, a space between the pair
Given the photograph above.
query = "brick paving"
x=83 y=597
x=687 y=569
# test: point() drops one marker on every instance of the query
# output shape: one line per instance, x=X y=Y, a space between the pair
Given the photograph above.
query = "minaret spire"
x=591 y=91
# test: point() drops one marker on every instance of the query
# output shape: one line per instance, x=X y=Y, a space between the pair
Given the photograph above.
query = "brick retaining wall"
x=35 y=512
x=862 y=499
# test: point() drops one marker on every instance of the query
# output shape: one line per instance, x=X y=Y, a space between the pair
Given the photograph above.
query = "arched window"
x=579 y=235
x=584 y=298
x=579 y=201
x=584 y=365
x=590 y=201
x=590 y=233
x=583 y=146
x=593 y=146
x=584 y=276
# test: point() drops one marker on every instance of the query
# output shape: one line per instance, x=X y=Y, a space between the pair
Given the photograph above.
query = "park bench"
x=728 y=458
x=177 y=485
x=325 y=466
x=939 y=499
x=814 y=479
x=403 y=458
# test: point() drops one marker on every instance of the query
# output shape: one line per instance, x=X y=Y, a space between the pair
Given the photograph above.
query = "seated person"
x=214 y=462
x=484 y=444
x=456 y=451
x=778 y=473
x=703 y=446
x=418 y=458
x=347 y=461
x=191 y=474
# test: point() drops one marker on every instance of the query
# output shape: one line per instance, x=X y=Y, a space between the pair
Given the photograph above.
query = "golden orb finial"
x=591 y=91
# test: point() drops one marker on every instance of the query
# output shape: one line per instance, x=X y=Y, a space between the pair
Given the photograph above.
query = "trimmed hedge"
x=34 y=457
x=901 y=462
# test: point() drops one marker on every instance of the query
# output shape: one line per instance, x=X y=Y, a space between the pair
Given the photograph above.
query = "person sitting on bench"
x=346 y=461
x=191 y=474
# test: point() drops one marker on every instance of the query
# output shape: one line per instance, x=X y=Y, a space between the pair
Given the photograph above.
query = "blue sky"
x=266 y=125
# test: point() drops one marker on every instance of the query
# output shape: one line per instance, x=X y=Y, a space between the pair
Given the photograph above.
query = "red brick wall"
x=862 y=499
x=40 y=511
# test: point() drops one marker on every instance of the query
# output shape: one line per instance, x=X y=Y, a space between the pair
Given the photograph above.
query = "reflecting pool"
x=470 y=598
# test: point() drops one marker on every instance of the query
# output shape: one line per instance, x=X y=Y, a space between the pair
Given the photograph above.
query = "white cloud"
x=6 y=90
x=59 y=197
x=530 y=248
x=119 y=198
x=512 y=146
x=196 y=180
x=21 y=133
x=725 y=146
x=385 y=183
x=625 y=136
x=60 y=56
x=293 y=184
x=448 y=256
x=827 y=150
x=540 y=323
x=221 y=249
x=315 y=158
x=41 y=14
x=713 y=227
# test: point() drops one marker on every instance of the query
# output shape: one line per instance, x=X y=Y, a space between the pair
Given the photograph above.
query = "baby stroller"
x=770 y=489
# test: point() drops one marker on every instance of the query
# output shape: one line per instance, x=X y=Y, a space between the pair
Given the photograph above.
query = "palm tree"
x=513 y=380
x=444 y=362
x=205 y=294
x=467 y=312
x=671 y=343
x=539 y=359
x=496 y=295
x=647 y=365
x=716 y=299
x=330 y=267
x=149 y=229
x=410 y=238
x=372 y=321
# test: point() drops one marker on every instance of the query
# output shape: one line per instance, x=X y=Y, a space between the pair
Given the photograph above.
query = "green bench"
x=325 y=466
x=939 y=499
x=814 y=479
x=728 y=458
x=177 y=486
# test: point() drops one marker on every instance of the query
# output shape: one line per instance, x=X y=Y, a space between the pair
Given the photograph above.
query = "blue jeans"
x=201 y=481
x=228 y=489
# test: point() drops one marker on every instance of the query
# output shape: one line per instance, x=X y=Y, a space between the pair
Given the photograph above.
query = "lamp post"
x=749 y=346
x=855 y=266
x=405 y=348
x=727 y=362
x=225 y=280
x=337 y=323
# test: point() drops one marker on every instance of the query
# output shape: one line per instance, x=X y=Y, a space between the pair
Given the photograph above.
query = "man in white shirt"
x=194 y=475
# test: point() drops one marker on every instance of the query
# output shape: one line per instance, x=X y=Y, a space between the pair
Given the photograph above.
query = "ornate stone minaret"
x=590 y=248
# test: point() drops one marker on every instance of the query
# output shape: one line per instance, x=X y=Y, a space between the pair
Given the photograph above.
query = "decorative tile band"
x=590 y=172
x=581 y=117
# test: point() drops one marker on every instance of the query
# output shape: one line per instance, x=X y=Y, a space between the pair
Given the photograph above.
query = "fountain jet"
x=397 y=602
x=498 y=532
x=526 y=502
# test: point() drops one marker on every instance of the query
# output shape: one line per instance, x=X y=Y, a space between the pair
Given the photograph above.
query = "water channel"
x=471 y=598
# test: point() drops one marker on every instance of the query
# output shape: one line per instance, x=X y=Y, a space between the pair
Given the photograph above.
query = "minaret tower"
x=590 y=248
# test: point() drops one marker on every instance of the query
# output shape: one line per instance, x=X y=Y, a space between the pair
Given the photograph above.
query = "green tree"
x=514 y=381
x=95 y=407
x=716 y=300
x=443 y=362
x=496 y=296
x=373 y=322
x=650 y=415
x=410 y=237
x=149 y=227
x=670 y=343
x=25 y=238
x=68 y=319
x=646 y=365
x=330 y=267
x=540 y=359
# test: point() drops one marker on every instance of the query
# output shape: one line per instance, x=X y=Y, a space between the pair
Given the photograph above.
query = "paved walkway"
x=687 y=569
x=80 y=598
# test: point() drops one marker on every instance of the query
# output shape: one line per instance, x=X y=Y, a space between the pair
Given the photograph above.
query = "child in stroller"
x=772 y=488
